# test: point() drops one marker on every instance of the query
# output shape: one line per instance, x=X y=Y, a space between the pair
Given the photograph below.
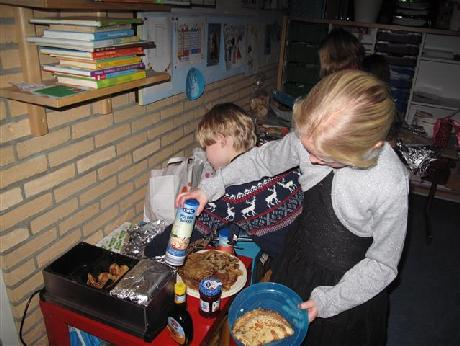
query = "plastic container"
x=276 y=297
x=181 y=232
x=224 y=234
x=210 y=293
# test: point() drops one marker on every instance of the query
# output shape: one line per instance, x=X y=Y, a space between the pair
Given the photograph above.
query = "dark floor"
x=425 y=299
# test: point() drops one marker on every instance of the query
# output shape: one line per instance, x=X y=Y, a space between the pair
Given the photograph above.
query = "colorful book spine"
x=118 y=52
x=95 y=36
x=89 y=73
x=117 y=69
x=87 y=21
x=79 y=28
x=86 y=82
x=113 y=74
x=103 y=63
x=103 y=54
x=81 y=45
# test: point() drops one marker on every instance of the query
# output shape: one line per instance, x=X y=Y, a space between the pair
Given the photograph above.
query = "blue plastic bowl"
x=273 y=296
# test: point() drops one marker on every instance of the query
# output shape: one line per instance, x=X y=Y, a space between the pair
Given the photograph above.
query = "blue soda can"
x=181 y=233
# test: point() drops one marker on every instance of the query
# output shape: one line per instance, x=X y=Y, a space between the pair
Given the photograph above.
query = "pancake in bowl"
x=260 y=327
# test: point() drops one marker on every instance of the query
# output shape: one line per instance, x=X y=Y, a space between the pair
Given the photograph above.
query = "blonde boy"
x=265 y=208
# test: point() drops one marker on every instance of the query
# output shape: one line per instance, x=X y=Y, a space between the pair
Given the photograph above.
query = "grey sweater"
x=369 y=202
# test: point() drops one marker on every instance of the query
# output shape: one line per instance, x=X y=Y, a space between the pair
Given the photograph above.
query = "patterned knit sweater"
x=265 y=209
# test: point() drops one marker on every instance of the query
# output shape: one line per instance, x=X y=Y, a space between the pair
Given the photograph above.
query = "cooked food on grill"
x=200 y=265
x=261 y=326
x=115 y=273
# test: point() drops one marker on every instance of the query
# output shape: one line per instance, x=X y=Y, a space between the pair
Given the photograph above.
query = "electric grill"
x=66 y=284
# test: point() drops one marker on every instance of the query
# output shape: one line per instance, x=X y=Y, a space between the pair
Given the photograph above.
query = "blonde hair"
x=227 y=119
x=345 y=116
x=340 y=50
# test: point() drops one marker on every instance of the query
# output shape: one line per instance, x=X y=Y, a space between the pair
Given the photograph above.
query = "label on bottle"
x=180 y=233
x=176 y=331
x=215 y=305
x=209 y=306
x=204 y=306
x=179 y=299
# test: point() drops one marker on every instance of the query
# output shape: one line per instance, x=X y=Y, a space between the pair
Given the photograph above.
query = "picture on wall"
x=158 y=30
x=189 y=35
x=214 y=34
x=234 y=45
x=253 y=47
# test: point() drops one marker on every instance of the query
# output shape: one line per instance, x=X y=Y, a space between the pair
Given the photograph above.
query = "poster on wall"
x=158 y=30
x=253 y=47
x=214 y=34
x=189 y=34
x=234 y=45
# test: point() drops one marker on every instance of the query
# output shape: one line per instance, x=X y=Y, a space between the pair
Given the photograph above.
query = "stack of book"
x=92 y=52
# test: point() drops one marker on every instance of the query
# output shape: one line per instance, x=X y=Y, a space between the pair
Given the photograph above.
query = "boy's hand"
x=198 y=194
x=310 y=306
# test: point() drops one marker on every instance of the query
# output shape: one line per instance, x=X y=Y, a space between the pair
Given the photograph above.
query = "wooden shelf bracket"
x=30 y=63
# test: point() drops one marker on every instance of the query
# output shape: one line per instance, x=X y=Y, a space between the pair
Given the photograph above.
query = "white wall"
x=8 y=333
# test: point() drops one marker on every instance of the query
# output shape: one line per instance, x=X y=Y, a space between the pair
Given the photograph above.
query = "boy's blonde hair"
x=340 y=50
x=227 y=119
x=345 y=116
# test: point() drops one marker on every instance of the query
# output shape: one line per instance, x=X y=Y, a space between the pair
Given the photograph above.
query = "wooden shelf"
x=441 y=60
x=23 y=96
x=434 y=105
x=28 y=55
x=86 y=5
x=377 y=25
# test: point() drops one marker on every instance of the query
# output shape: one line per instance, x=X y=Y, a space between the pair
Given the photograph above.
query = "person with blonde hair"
x=225 y=132
x=339 y=50
x=228 y=128
x=346 y=246
x=265 y=208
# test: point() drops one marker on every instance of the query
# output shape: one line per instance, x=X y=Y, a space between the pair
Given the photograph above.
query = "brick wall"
x=87 y=176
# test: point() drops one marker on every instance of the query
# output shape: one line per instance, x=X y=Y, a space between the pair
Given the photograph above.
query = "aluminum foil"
x=417 y=157
x=143 y=280
x=139 y=236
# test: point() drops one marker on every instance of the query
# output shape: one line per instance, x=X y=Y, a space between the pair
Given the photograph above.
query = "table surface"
x=57 y=318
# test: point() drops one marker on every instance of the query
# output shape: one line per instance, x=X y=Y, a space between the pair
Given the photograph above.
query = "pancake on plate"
x=200 y=265
x=261 y=326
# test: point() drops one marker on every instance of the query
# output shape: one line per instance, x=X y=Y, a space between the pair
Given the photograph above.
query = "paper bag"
x=164 y=184
x=162 y=189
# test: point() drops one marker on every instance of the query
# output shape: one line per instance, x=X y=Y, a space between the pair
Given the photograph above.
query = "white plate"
x=236 y=287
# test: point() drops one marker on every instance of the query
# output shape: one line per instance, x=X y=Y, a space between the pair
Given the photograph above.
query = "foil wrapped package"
x=139 y=236
x=416 y=157
x=142 y=282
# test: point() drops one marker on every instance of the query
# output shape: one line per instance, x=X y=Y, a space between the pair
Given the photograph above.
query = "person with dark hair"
x=378 y=66
x=340 y=50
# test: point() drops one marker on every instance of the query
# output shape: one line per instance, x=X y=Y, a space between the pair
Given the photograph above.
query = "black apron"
x=318 y=252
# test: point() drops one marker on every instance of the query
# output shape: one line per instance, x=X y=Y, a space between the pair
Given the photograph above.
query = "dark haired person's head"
x=378 y=66
x=340 y=50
